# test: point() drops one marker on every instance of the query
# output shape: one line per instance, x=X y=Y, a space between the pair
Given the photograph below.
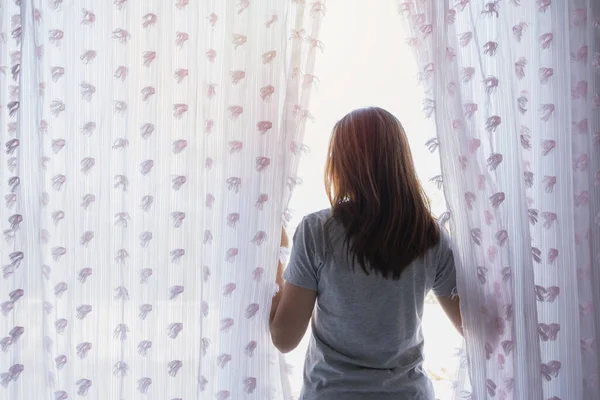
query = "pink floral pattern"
x=513 y=88
x=144 y=163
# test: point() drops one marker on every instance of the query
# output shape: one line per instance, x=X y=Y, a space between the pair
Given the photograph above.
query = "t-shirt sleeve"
x=302 y=268
x=445 y=277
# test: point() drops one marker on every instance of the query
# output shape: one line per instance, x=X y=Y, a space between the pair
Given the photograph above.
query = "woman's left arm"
x=291 y=310
x=279 y=278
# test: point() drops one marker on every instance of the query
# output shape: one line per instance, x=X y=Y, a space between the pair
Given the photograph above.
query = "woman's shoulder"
x=444 y=244
x=314 y=225
x=319 y=217
x=445 y=240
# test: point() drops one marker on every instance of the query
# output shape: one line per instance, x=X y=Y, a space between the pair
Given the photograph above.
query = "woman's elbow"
x=283 y=348
x=281 y=342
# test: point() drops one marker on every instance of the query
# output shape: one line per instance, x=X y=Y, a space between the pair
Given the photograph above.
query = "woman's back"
x=367 y=341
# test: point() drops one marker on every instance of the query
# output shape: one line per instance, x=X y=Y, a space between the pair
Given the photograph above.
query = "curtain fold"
x=513 y=88
x=149 y=152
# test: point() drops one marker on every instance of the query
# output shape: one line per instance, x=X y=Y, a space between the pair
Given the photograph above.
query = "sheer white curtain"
x=149 y=152
x=514 y=89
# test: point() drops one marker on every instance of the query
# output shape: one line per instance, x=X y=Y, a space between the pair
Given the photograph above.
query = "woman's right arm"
x=451 y=306
x=444 y=286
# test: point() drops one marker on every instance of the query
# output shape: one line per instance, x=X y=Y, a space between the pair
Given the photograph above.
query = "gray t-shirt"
x=366 y=340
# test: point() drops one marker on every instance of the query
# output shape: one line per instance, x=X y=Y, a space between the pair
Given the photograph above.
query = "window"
x=367 y=67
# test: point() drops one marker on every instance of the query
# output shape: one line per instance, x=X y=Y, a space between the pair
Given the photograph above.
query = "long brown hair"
x=374 y=192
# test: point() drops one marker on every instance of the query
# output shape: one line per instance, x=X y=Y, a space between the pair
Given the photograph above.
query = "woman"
x=368 y=262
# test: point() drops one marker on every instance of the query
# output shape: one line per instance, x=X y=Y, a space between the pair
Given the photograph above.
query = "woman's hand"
x=284 y=238
x=279 y=276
